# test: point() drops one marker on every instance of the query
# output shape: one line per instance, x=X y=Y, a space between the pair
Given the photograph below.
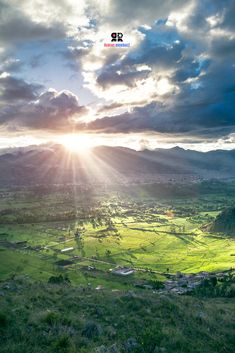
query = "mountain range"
x=52 y=163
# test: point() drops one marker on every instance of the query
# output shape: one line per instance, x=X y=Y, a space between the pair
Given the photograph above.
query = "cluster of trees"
x=59 y=279
x=213 y=287
x=225 y=222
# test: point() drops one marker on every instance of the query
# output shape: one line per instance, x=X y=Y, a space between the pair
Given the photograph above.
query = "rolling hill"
x=225 y=222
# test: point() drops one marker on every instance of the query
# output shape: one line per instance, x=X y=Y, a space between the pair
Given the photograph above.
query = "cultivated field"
x=100 y=230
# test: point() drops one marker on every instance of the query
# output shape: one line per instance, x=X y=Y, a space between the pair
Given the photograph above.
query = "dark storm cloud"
x=196 y=60
x=25 y=107
x=113 y=77
x=197 y=19
x=200 y=64
x=204 y=109
x=223 y=10
x=189 y=68
x=52 y=111
x=160 y=49
x=227 y=7
x=214 y=119
x=224 y=49
x=12 y=89
x=15 y=26
x=123 y=11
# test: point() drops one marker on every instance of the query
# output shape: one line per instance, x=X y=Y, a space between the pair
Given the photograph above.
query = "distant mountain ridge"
x=49 y=164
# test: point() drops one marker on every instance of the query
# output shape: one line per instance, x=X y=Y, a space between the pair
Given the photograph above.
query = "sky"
x=173 y=86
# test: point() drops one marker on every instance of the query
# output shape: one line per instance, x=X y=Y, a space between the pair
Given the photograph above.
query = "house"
x=67 y=249
x=99 y=287
x=179 y=290
x=122 y=271
x=193 y=285
x=169 y=284
x=77 y=257
x=90 y=268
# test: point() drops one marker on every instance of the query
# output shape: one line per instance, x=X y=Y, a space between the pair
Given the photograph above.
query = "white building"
x=67 y=249
x=122 y=271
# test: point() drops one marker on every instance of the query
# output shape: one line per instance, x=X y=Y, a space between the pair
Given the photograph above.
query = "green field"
x=133 y=227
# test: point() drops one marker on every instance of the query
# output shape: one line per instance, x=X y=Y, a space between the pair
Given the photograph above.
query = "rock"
x=103 y=349
x=130 y=344
x=91 y=329
x=111 y=332
x=113 y=349
x=201 y=316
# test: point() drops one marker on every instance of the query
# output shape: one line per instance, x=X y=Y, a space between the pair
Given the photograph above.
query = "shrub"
x=51 y=317
x=91 y=329
x=3 y=320
x=59 y=279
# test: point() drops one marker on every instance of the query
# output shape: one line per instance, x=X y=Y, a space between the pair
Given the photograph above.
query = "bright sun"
x=77 y=143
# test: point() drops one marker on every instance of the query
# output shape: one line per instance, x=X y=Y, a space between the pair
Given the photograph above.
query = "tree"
x=108 y=253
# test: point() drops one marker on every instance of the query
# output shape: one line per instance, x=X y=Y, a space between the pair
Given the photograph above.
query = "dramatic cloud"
x=16 y=26
x=214 y=119
x=13 y=89
x=50 y=110
x=135 y=11
x=177 y=77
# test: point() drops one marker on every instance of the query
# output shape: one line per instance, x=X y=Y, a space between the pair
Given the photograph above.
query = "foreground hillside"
x=40 y=317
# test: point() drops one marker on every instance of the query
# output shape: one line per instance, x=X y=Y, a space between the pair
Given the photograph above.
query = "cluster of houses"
x=184 y=283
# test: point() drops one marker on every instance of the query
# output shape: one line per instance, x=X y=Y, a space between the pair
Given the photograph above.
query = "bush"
x=3 y=320
x=59 y=279
x=63 y=342
x=151 y=338
x=91 y=330
x=51 y=318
